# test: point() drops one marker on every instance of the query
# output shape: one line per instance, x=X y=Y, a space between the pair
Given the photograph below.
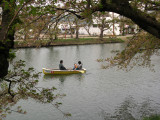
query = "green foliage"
x=153 y=117
x=138 y=52
x=23 y=84
x=68 y=115
x=34 y=10
x=6 y=4
x=4 y=85
x=12 y=55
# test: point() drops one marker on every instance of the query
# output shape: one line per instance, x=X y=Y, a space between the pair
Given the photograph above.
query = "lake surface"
x=96 y=95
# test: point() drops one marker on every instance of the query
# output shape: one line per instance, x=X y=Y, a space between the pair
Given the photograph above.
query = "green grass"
x=80 y=41
x=73 y=39
x=91 y=40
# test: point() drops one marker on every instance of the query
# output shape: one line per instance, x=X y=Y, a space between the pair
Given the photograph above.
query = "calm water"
x=96 y=95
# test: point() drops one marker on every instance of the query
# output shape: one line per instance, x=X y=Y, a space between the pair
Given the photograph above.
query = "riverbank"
x=66 y=42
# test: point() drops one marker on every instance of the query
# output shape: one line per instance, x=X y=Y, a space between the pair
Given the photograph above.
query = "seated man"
x=79 y=67
x=61 y=67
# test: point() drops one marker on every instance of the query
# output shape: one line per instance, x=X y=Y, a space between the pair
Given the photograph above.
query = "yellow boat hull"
x=58 y=72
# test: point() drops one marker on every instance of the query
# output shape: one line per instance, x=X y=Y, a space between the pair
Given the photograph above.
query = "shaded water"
x=96 y=95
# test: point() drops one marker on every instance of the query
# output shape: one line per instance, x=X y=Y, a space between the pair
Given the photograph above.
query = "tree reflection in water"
x=130 y=110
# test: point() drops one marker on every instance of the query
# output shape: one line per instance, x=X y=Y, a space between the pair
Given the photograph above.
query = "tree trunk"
x=113 y=23
x=6 y=40
x=56 y=33
x=71 y=33
x=25 y=34
x=88 y=32
x=4 y=53
x=77 y=32
x=56 y=36
x=123 y=30
x=101 y=34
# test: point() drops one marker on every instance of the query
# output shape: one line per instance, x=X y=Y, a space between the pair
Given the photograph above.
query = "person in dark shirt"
x=61 y=67
x=79 y=67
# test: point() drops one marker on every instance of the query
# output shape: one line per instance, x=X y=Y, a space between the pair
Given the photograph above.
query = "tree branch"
x=14 y=17
x=56 y=23
x=9 y=89
x=73 y=12
x=145 y=21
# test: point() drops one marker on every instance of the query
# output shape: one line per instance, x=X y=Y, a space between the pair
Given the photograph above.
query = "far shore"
x=69 y=41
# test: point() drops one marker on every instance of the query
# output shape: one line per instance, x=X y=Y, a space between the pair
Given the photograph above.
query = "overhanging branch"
x=71 y=11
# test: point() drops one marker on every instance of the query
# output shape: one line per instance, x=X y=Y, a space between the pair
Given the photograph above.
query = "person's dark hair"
x=79 y=62
x=61 y=61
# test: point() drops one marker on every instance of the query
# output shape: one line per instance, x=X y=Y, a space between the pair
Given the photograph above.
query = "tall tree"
x=77 y=25
x=87 y=26
x=11 y=12
x=103 y=22
x=7 y=30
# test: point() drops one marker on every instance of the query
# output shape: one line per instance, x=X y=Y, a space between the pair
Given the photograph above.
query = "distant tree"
x=69 y=19
x=123 y=21
x=53 y=33
x=77 y=25
x=73 y=21
x=105 y=21
x=102 y=22
x=88 y=26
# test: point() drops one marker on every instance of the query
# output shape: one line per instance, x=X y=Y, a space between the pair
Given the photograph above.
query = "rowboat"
x=57 y=71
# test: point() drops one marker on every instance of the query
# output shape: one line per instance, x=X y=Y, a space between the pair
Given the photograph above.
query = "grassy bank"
x=63 y=42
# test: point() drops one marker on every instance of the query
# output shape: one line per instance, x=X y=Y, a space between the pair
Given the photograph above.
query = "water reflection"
x=130 y=110
x=62 y=78
x=55 y=77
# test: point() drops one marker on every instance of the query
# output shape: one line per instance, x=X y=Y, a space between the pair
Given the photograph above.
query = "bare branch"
x=9 y=89
x=56 y=22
